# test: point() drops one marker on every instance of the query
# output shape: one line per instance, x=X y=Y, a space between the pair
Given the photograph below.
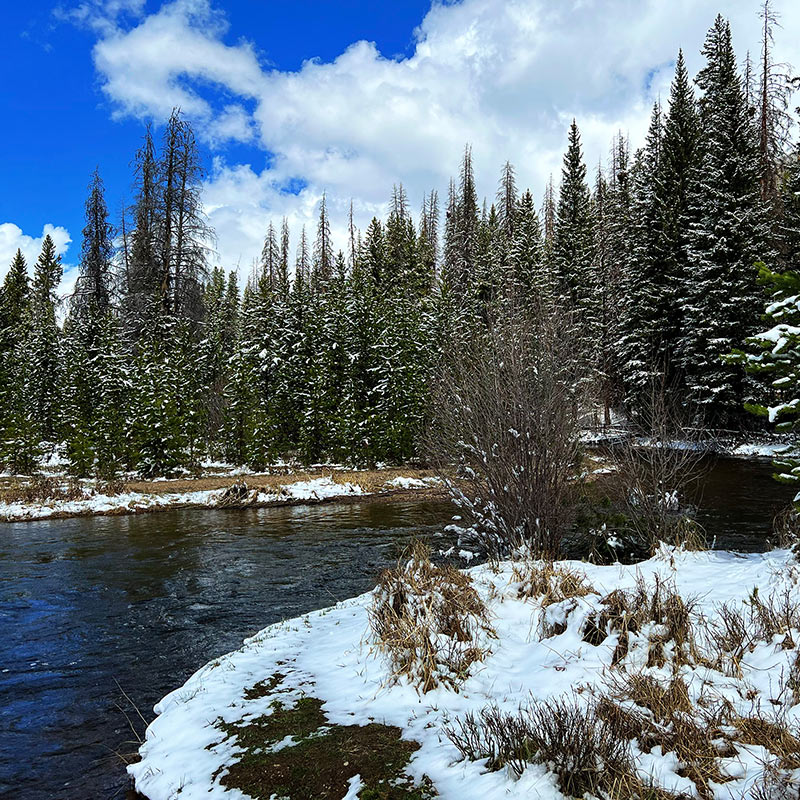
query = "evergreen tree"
x=726 y=237
x=572 y=247
x=43 y=346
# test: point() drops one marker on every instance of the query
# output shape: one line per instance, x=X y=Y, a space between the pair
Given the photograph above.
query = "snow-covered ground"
x=135 y=502
x=329 y=655
x=757 y=446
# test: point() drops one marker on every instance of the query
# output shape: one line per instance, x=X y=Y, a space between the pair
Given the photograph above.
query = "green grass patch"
x=322 y=758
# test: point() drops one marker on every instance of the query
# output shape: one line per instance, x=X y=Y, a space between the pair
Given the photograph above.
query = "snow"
x=412 y=483
x=135 y=502
x=329 y=651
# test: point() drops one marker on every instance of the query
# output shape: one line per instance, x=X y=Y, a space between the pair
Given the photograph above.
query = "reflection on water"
x=144 y=601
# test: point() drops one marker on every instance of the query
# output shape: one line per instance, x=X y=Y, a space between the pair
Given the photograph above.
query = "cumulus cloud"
x=506 y=77
x=12 y=239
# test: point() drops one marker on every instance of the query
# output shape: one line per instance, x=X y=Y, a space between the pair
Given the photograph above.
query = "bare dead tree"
x=506 y=412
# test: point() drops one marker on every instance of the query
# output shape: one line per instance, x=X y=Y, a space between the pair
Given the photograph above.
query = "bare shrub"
x=668 y=617
x=237 y=495
x=429 y=620
x=656 y=464
x=584 y=750
x=786 y=527
x=505 y=411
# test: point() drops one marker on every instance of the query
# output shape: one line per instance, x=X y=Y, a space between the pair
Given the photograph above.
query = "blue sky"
x=59 y=125
x=393 y=93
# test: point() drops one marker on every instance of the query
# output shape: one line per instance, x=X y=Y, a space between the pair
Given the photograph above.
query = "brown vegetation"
x=429 y=621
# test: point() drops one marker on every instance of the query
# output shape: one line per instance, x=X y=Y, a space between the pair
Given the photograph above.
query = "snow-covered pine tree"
x=775 y=354
x=527 y=275
x=572 y=251
x=14 y=327
x=43 y=348
x=90 y=306
x=142 y=279
x=643 y=287
x=727 y=236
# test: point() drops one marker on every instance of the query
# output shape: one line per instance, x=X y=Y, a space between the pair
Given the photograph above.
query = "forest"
x=652 y=271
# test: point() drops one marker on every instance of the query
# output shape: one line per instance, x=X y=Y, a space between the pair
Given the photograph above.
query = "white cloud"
x=12 y=239
x=506 y=77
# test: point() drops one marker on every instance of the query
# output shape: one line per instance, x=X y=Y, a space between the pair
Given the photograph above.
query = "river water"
x=92 y=608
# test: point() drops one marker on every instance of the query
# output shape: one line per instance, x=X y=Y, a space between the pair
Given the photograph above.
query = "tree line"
x=158 y=363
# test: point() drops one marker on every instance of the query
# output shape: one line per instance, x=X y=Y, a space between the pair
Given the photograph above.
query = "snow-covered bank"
x=542 y=651
x=134 y=502
x=737 y=446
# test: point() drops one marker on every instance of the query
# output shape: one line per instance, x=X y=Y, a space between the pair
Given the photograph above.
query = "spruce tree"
x=726 y=237
x=43 y=346
x=572 y=250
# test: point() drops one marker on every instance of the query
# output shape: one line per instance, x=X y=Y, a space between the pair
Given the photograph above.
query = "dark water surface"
x=92 y=607
x=143 y=602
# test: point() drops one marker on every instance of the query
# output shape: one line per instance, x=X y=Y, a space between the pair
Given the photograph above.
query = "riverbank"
x=655 y=687
x=59 y=498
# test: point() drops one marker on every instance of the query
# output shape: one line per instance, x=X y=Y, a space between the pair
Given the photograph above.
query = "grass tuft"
x=429 y=620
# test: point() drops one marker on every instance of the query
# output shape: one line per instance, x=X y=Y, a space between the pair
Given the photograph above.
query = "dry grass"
x=587 y=749
x=660 y=609
x=369 y=480
x=661 y=713
x=775 y=784
x=42 y=489
x=549 y=581
x=429 y=621
x=775 y=735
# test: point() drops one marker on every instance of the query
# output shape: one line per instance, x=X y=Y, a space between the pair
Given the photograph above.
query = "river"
x=94 y=608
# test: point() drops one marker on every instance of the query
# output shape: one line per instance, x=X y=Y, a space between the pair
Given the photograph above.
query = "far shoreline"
x=264 y=490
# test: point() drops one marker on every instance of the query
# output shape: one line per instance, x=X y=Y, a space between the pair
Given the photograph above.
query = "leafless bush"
x=786 y=526
x=505 y=411
x=667 y=616
x=656 y=464
x=430 y=621
x=584 y=750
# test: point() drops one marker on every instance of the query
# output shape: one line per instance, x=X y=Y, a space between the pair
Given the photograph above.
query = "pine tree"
x=661 y=277
x=184 y=235
x=726 y=237
x=143 y=279
x=43 y=346
x=643 y=288
x=323 y=246
x=527 y=277
x=572 y=249
x=775 y=354
x=14 y=327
